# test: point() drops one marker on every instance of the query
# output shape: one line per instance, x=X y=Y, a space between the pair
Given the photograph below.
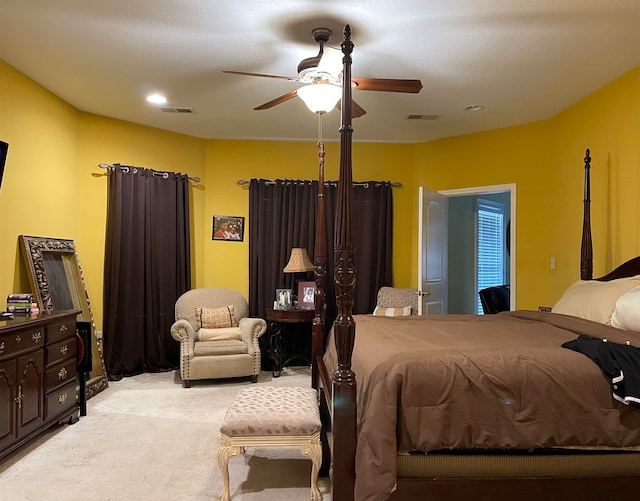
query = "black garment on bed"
x=620 y=363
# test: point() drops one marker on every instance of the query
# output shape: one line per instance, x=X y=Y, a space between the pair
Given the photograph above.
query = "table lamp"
x=299 y=262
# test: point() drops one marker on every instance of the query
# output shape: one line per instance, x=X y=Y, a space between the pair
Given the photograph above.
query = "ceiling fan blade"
x=388 y=84
x=356 y=110
x=290 y=79
x=277 y=100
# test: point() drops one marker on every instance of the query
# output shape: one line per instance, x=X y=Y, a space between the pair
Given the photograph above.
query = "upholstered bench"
x=272 y=417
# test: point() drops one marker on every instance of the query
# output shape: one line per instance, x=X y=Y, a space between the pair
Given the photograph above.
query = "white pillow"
x=627 y=312
x=220 y=334
x=594 y=300
x=404 y=311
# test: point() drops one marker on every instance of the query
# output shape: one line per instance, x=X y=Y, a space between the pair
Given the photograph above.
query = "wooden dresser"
x=37 y=376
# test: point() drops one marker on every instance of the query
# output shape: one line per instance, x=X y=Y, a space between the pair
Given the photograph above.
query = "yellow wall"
x=607 y=122
x=40 y=184
x=105 y=140
x=53 y=186
x=512 y=155
x=225 y=263
x=545 y=161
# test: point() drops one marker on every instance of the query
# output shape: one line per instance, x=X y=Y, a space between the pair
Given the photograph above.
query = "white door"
x=432 y=252
x=479 y=191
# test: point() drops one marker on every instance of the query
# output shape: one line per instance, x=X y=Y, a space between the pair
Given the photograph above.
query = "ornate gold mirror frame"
x=57 y=284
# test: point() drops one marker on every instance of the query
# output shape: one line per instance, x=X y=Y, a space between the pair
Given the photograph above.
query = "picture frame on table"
x=306 y=294
x=283 y=299
x=229 y=228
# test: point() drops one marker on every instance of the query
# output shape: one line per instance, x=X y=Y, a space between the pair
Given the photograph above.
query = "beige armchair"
x=217 y=338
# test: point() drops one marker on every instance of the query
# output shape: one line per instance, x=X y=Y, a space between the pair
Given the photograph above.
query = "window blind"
x=489 y=246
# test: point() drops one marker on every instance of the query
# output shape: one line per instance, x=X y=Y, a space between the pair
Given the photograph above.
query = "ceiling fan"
x=326 y=69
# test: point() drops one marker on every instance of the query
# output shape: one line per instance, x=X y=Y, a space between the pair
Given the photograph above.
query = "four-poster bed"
x=377 y=451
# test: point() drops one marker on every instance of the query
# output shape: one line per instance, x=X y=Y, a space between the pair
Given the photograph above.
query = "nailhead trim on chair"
x=256 y=348
x=184 y=366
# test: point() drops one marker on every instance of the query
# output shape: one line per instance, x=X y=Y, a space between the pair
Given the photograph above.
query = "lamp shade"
x=299 y=261
x=320 y=97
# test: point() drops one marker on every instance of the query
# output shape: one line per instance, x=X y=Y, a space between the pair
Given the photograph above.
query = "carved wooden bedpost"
x=320 y=272
x=344 y=381
x=318 y=330
x=586 y=249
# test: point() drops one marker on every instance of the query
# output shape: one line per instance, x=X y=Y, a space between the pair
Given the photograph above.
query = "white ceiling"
x=523 y=60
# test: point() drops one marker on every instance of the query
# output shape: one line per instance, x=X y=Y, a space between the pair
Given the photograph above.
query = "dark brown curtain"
x=147 y=267
x=282 y=215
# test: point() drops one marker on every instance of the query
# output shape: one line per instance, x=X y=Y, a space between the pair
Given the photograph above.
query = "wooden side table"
x=276 y=320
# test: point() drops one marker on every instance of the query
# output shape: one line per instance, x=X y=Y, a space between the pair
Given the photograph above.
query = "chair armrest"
x=182 y=331
x=250 y=330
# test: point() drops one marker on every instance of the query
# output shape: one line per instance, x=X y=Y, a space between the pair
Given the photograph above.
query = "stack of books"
x=19 y=304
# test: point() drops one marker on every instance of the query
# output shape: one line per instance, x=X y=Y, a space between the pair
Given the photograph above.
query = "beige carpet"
x=147 y=438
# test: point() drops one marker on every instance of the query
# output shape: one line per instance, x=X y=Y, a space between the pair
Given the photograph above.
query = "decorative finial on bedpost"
x=346 y=106
x=586 y=248
x=347 y=32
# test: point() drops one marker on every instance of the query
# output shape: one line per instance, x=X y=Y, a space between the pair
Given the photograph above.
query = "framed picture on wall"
x=229 y=228
x=306 y=292
x=4 y=147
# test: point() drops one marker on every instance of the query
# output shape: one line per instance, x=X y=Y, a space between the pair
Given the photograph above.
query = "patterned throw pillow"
x=405 y=311
x=215 y=318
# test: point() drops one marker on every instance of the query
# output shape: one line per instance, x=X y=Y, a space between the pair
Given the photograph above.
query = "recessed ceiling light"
x=474 y=107
x=156 y=99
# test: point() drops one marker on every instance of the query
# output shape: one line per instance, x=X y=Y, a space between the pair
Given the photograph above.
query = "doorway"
x=459 y=245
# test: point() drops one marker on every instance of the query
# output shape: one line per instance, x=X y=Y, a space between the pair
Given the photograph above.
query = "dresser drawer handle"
x=64 y=349
x=62 y=374
x=62 y=398
x=2 y=347
x=36 y=337
x=19 y=398
x=18 y=338
x=63 y=329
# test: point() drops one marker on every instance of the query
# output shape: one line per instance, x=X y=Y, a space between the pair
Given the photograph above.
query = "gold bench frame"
x=234 y=446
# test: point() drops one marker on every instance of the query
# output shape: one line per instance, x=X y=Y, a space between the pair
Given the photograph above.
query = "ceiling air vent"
x=423 y=117
x=177 y=110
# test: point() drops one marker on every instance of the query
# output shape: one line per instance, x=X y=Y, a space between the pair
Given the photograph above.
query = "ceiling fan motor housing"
x=308 y=68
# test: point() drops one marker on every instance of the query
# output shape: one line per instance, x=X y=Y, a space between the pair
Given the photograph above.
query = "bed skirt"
x=582 y=464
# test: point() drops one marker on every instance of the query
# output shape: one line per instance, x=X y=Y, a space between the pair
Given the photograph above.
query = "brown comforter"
x=465 y=381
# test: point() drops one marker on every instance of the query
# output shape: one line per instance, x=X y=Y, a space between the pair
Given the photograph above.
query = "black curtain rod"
x=165 y=175
x=242 y=182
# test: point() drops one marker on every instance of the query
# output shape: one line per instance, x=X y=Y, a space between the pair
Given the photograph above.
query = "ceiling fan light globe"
x=320 y=98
